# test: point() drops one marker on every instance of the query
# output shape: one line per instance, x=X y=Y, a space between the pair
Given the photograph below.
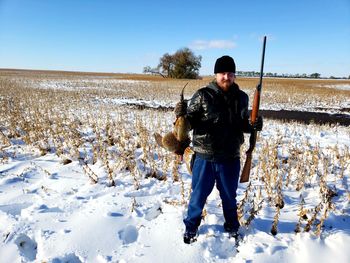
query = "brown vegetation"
x=73 y=116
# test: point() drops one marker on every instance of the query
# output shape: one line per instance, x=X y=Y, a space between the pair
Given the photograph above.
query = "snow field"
x=55 y=143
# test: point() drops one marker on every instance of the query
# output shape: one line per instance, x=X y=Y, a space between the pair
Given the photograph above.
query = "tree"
x=166 y=64
x=181 y=65
x=315 y=75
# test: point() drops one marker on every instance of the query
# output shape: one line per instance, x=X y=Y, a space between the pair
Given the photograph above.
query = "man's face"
x=225 y=80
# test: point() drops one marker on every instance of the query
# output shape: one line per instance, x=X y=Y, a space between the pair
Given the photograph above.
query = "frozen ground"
x=126 y=86
x=50 y=211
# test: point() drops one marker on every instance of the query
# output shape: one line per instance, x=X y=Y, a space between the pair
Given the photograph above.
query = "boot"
x=233 y=231
x=190 y=236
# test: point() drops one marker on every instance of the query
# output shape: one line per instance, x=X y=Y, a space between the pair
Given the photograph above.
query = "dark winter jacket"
x=218 y=120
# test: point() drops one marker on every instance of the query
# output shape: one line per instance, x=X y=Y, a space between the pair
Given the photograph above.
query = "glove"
x=180 y=108
x=258 y=124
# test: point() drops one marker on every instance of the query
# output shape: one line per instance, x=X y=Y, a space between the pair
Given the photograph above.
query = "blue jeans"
x=204 y=175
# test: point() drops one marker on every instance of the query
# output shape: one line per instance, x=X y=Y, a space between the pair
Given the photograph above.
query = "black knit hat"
x=225 y=64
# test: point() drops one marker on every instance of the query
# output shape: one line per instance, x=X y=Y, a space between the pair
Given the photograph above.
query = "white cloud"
x=212 y=44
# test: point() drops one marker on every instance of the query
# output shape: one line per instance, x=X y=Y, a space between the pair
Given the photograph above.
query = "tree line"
x=285 y=75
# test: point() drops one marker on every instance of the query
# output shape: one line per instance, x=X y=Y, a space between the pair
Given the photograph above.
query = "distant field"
x=278 y=93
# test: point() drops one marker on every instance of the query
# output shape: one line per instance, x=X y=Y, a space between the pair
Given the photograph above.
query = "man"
x=218 y=115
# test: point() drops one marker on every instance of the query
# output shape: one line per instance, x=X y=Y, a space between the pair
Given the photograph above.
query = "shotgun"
x=253 y=116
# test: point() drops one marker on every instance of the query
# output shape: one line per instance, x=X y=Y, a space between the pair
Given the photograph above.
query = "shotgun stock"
x=253 y=116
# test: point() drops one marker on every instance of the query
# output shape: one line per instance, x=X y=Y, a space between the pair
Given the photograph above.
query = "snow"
x=87 y=83
x=136 y=102
x=52 y=212
x=338 y=86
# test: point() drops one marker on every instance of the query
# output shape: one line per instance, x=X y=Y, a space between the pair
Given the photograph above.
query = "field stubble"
x=69 y=115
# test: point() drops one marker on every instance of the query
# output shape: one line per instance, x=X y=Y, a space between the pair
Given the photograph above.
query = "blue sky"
x=304 y=36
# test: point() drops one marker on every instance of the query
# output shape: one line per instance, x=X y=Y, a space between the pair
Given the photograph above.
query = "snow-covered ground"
x=338 y=86
x=88 y=83
x=50 y=211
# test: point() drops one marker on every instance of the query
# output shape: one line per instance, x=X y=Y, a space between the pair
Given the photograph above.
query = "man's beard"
x=225 y=84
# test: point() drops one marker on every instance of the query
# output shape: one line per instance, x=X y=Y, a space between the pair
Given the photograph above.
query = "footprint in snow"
x=275 y=249
x=27 y=247
x=69 y=258
x=13 y=180
x=129 y=234
x=45 y=209
x=259 y=250
x=153 y=212
x=14 y=209
x=260 y=247
x=219 y=247
x=114 y=214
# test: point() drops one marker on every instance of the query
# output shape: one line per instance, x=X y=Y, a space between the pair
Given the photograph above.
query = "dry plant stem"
x=344 y=161
x=310 y=222
x=302 y=215
x=92 y=176
x=253 y=212
x=279 y=202
x=327 y=195
x=288 y=172
x=5 y=141
x=274 y=229
x=245 y=199
x=322 y=219
x=175 y=171
x=48 y=174
x=109 y=170
x=131 y=164
x=182 y=190
x=133 y=205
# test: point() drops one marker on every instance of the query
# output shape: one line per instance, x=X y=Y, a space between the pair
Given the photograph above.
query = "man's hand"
x=258 y=124
x=180 y=108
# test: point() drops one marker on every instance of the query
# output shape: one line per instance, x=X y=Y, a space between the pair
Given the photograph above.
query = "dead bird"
x=177 y=140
